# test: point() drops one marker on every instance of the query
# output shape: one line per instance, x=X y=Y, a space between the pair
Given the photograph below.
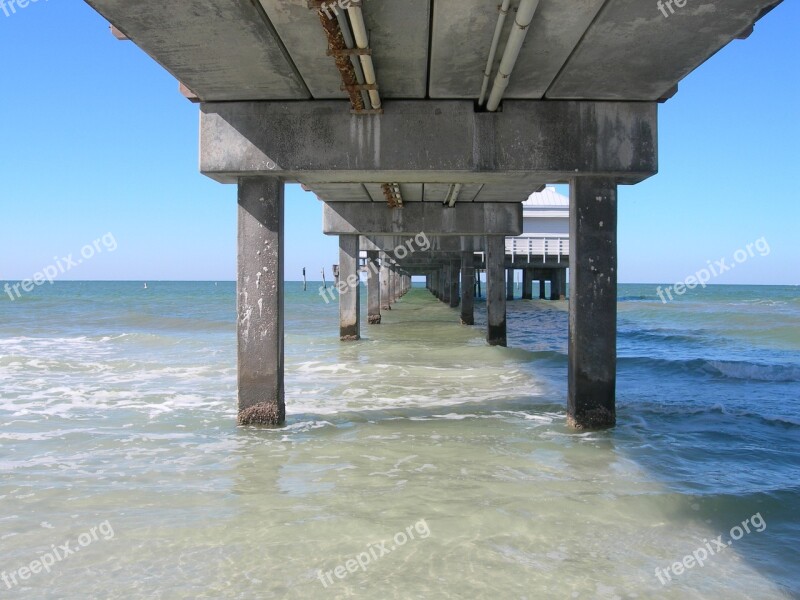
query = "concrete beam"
x=352 y=218
x=429 y=141
x=423 y=242
x=260 y=303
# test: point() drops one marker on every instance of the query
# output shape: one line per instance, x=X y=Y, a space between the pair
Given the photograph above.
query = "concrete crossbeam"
x=429 y=141
x=351 y=218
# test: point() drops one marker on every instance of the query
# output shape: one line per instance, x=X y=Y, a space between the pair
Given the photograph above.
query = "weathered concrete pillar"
x=555 y=292
x=468 y=288
x=527 y=284
x=542 y=288
x=349 y=288
x=446 y=287
x=260 y=302
x=495 y=292
x=558 y=285
x=509 y=284
x=593 y=303
x=386 y=301
x=396 y=286
x=455 y=271
x=373 y=288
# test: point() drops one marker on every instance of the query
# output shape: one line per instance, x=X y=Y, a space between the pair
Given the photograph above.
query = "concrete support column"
x=555 y=291
x=527 y=284
x=446 y=287
x=558 y=285
x=455 y=271
x=349 y=289
x=495 y=292
x=373 y=288
x=385 y=294
x=593 y=303
x=397 y=291
x=509 y=284
x=468 y=288
x=542 y=289
x=260 y=302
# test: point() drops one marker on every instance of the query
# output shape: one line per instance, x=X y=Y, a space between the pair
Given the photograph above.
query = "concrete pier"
x=495 y=291
x=373 y=288
x=386 y=300
x=584 y=110
x=398 y=285
x=260 y=302
x=447 y=288
x=509 y=284
x=593 y=303
x=542 y=287
x=455 y=270
x=468 y=288
x=349 y=288
x=558 y=285
x=527 y=284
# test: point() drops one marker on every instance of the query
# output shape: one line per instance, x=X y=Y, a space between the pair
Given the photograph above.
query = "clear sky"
x=95 y=139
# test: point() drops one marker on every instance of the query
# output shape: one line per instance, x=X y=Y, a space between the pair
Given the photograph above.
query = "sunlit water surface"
x=117 y=407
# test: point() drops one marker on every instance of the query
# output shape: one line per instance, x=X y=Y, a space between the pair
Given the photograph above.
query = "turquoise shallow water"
x=118 y=439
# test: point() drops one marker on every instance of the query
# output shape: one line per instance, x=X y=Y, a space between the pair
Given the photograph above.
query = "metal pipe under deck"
x=362 y=41
x=527 y=8
x=498 y=31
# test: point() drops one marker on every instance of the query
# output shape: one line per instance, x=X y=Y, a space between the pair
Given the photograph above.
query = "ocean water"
x=417 y=463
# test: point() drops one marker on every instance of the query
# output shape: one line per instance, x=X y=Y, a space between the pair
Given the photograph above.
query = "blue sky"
x=95 y=139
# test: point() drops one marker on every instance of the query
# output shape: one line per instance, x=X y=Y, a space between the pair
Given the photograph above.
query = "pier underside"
x=422 y=125
x=595 y=146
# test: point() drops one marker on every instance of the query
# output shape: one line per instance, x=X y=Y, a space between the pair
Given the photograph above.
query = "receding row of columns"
x=385 y=286
x=592 y=310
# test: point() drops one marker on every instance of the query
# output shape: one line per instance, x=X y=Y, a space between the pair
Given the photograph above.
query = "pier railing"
x=552 y=247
